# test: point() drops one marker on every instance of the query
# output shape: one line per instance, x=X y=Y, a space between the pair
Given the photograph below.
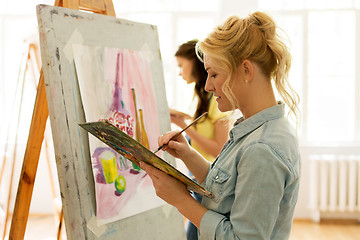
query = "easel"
x=19 y=88
x=30 y=63
x=37 y=128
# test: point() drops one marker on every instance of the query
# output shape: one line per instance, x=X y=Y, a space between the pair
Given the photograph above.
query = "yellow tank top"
x=206 y=127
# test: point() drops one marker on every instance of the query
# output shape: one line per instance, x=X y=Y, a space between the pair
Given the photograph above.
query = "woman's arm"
x=211 y=146
x=176 y=113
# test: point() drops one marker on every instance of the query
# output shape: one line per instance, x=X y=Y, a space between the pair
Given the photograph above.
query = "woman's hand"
x=167 y=188
x=179 y=118
x=175 y=193
x=178 y=147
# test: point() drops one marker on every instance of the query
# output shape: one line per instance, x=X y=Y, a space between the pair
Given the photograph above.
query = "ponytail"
x=253 y=38
x=279 y=72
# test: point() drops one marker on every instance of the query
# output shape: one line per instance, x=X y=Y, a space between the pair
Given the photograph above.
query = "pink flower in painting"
x=120 y=117
x=123 y=122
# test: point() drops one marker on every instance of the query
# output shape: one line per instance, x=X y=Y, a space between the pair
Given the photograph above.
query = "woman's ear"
x=248 y=70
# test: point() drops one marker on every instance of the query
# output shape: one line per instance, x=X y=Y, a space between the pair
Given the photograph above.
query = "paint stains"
x=67 y=167
x=57 y=54
x=54 y=12
x=76 y=16
x=67 y=122
x=110 y=232
x=117 y=22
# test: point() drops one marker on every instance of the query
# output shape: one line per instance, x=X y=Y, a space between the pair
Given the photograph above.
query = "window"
x=17 y=23
x=324 y=49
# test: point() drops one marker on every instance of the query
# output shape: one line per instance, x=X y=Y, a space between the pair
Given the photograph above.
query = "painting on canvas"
x=116 y=85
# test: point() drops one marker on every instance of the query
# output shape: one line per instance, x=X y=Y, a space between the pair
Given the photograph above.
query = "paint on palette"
x=136 y=152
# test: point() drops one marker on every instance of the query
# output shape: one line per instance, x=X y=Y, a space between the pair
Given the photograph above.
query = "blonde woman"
x=255 y=179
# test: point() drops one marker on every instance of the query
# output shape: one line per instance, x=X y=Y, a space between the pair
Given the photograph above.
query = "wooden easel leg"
x=34 y=63
x=31 y=160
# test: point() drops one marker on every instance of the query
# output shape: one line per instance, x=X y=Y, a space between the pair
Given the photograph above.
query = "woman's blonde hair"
x=253 y=38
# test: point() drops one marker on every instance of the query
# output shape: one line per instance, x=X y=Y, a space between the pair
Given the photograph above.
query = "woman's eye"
x=213 y=75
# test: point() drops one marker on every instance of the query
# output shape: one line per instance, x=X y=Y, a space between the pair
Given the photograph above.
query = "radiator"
x=334 y=183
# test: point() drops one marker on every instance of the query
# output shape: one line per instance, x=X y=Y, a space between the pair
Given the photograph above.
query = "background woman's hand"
x=179 y=118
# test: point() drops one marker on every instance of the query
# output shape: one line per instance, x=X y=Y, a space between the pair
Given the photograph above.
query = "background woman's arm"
x=211 y=146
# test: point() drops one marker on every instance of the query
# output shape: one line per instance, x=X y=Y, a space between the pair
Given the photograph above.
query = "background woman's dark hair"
x=187 y=50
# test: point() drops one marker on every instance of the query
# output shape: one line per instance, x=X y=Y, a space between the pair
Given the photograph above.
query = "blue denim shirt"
x=254 y=180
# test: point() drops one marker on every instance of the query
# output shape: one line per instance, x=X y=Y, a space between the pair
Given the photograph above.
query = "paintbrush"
x=176 y=135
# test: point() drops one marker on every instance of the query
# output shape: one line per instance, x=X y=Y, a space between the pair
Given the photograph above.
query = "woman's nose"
x=208 y=86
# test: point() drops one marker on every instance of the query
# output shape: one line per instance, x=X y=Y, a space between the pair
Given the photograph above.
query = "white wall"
x=237 y=7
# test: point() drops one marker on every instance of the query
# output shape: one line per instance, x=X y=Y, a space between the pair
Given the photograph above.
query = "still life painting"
x=116 y=86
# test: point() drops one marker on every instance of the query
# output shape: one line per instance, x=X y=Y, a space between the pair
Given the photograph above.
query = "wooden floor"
x=44 y=228
x=326 y=230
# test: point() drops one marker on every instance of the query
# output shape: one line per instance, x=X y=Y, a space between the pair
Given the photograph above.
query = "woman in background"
x=212 y=131
x=255 y=179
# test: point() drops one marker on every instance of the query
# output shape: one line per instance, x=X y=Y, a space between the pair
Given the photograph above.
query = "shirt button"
x=217 y=177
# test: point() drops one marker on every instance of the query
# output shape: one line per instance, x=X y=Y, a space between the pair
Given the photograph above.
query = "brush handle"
x=178 y=134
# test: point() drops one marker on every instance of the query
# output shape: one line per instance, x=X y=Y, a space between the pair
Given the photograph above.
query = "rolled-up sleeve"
x=209 y=223
x=260 y=181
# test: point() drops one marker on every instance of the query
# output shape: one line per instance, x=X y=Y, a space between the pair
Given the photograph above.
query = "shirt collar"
x=243 y=127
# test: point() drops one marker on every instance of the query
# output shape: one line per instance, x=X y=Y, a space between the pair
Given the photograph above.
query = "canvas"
x=116 y=84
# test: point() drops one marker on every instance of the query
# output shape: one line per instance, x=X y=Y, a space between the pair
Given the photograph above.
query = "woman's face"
x=186 y=69
x=214 y=83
